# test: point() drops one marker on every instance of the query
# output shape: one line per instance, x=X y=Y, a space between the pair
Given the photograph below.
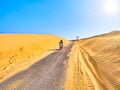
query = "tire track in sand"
x=83 y=72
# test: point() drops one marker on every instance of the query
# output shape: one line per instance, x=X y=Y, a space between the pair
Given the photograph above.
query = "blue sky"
x=66 y=18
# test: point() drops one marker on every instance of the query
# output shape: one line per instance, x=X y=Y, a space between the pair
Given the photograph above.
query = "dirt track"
x=83 y=72
x=46 y=74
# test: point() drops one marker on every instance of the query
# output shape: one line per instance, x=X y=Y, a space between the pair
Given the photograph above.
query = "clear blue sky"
x=66 y=18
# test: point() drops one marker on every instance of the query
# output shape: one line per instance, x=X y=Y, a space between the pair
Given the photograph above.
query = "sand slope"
x=18 y=51
x=95 y=63
x=46 y=74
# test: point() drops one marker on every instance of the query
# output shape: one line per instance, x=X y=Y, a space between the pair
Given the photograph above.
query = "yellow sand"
x=95 y=63
x=18 y=51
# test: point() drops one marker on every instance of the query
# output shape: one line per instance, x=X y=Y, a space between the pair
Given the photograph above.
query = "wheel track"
x=84 y=72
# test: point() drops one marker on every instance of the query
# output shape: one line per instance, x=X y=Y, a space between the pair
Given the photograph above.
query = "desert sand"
x=19 y=51
x=46 y=74
x=95 y=63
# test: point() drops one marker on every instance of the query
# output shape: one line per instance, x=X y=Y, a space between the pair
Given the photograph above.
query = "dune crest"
x=94 y=63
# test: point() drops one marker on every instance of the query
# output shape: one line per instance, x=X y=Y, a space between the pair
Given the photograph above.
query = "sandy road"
x=83 y=72
x=46 y=74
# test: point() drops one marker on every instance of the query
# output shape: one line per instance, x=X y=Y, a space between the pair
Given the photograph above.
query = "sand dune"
x=46 y=74
x=94 y=63
x=18 y=51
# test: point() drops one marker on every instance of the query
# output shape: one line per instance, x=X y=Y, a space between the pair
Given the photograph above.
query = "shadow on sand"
x=53 y=49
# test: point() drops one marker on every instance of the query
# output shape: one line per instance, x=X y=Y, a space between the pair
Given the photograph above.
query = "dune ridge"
x=18 y=51
x=94 y=63
x=83 y=72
